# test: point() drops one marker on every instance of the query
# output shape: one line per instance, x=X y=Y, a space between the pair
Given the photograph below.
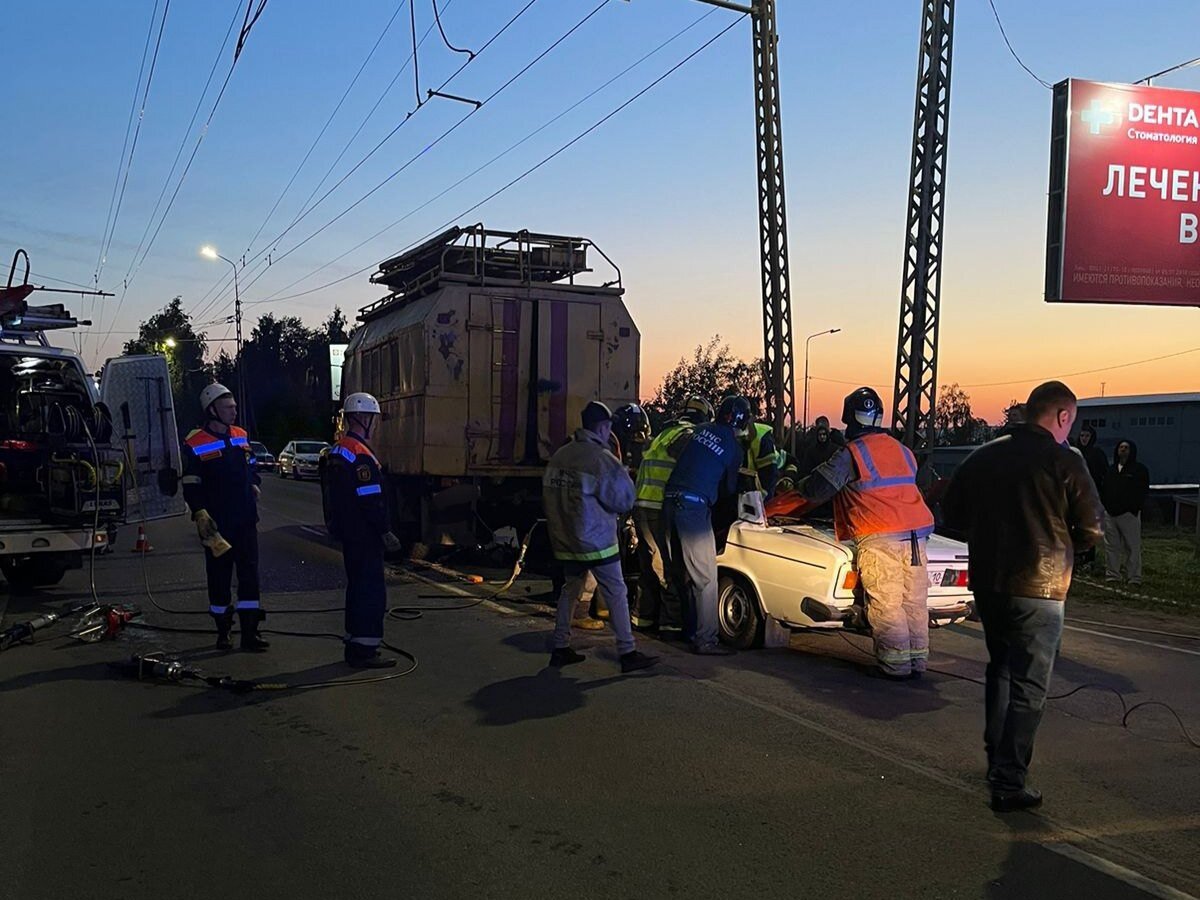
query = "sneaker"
x=587 y=624
x=1025 y=798
x=635 y=660
x=565 y=656
x=713 y=650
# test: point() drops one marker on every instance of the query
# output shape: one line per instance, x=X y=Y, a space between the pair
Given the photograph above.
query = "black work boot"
x=249 y=619
x=224 y=623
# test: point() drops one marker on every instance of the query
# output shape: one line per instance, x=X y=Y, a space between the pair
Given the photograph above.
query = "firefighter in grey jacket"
x=585 y=491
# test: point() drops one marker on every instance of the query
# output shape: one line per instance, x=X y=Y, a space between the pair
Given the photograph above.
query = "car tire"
x=27 y=574
x=740 y=617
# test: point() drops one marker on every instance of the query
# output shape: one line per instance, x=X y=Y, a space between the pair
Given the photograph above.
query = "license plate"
x=935 y=577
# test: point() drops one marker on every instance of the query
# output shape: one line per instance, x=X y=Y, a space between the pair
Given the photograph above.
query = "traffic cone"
x=142 y=545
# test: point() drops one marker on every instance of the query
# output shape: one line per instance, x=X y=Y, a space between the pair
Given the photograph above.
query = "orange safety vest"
x=349 y=448
x=884 y=499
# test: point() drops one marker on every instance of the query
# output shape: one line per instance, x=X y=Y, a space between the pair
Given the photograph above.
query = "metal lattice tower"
x=916 y=360
x=772 y=223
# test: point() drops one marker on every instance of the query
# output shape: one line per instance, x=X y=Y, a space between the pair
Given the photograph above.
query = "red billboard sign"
x=1124 y=221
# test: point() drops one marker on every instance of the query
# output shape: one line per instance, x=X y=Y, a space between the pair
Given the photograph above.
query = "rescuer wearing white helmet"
x=355 y=505
x=221 y=488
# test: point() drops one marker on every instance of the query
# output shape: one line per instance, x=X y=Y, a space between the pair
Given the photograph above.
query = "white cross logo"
x=1097 y=115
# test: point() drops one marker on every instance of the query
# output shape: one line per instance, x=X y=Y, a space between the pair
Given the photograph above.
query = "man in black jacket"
x=1126 y=484
x=1027 y=505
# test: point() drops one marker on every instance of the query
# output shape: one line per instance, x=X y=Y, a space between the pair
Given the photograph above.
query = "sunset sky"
x=666 y=187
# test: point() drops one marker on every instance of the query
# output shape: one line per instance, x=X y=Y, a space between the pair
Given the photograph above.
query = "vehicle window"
x=310 y=447
x=259 y=449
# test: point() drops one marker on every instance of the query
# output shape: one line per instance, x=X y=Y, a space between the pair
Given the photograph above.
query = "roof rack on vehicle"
x=477 y=255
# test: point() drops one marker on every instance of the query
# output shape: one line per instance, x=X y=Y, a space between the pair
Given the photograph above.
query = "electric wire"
x=434 y=143
x=324 y=128
x=532 y=169
x=1008 y=44
x=122 y=163
x=275 y=296
x=224 y=283
x=1127 y=711
x=171 y=174
x=412 y=15
x=445 y=40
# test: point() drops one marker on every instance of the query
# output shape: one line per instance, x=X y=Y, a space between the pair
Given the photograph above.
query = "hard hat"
x=212 y=394
x=361 y=403
x=697 y=409
x=863 y=407
x=735 y=411
x=631 y=424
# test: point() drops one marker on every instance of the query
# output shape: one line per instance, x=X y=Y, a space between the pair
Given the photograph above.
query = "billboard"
x=1124 y=216
x=337 y=353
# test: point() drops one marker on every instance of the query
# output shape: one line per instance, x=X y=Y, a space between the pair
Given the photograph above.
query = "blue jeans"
x=1023 y=635
x=690 y=549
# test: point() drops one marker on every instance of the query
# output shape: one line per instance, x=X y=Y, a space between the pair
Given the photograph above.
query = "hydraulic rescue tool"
x=23 y=631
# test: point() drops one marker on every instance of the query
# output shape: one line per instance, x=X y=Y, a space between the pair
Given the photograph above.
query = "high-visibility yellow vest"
x=658 y=464
x=754 y=454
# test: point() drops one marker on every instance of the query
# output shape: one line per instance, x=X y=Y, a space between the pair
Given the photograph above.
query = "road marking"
x=1118 y=872
x=1129 y=640
x=454 y=589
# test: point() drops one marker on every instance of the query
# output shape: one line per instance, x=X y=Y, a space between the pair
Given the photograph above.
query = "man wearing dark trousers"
x=706 y=472
x=356 y=514
x=221 y=488
x=1126 y=485
x=1027 y=505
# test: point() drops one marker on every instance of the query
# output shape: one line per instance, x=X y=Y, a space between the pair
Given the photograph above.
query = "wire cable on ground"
x=534 y=168
x=1127 y=711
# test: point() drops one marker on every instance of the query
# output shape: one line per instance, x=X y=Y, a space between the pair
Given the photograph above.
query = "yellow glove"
x=210 y=537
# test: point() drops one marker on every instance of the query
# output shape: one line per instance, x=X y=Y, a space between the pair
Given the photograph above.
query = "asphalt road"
x=780 y=773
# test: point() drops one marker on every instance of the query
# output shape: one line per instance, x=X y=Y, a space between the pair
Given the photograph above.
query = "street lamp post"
x=806 y=343
x=210 y=252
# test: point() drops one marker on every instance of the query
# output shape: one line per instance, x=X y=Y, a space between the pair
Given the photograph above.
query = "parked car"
x=799 y=574
x=299 y=459
x=263 y=458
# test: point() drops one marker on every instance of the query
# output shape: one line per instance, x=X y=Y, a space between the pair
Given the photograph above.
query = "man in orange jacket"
x=876 y=504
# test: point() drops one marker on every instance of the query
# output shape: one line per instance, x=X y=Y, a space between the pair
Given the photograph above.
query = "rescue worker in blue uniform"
x=356 y=514
x=707 y=470
x=221 y=488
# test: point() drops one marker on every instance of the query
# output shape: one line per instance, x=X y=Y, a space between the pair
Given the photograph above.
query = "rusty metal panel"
x=620 y=356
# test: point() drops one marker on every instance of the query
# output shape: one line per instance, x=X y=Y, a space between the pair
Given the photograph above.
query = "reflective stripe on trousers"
x=896 y=594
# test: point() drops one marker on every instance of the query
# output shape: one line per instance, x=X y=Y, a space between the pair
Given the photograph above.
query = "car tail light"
x=955 y=578
x=18 y=445
x=850 y=582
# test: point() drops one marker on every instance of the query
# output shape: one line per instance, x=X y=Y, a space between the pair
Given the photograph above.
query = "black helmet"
x=735 y=411
x=632 y=425
x=697 y=410
x=863 y=408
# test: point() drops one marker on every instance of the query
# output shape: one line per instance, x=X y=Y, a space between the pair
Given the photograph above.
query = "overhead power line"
x=534 y=168
x=1008 y=44
x=511 y=80
x=548 y=123
x=136 y=263
x=124 y=163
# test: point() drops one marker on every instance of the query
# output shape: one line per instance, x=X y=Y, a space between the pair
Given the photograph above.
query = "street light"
x=210 y=252
x=170 y=343
x=806 y=343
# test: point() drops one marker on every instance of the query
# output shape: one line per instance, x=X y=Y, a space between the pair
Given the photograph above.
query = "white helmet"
x=212 y=394
x=361 y=403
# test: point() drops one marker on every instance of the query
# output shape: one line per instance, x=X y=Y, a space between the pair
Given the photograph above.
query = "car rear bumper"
x=852 y=616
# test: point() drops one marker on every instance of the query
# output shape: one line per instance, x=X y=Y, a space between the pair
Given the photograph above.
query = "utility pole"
x=209 y=252
x=772 y=216
x=921 y=288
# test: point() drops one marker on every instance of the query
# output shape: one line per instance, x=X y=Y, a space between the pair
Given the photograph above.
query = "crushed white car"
x=801 y=576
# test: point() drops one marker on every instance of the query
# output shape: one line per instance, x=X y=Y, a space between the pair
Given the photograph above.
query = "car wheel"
x=739 y=615
x=27 y=574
